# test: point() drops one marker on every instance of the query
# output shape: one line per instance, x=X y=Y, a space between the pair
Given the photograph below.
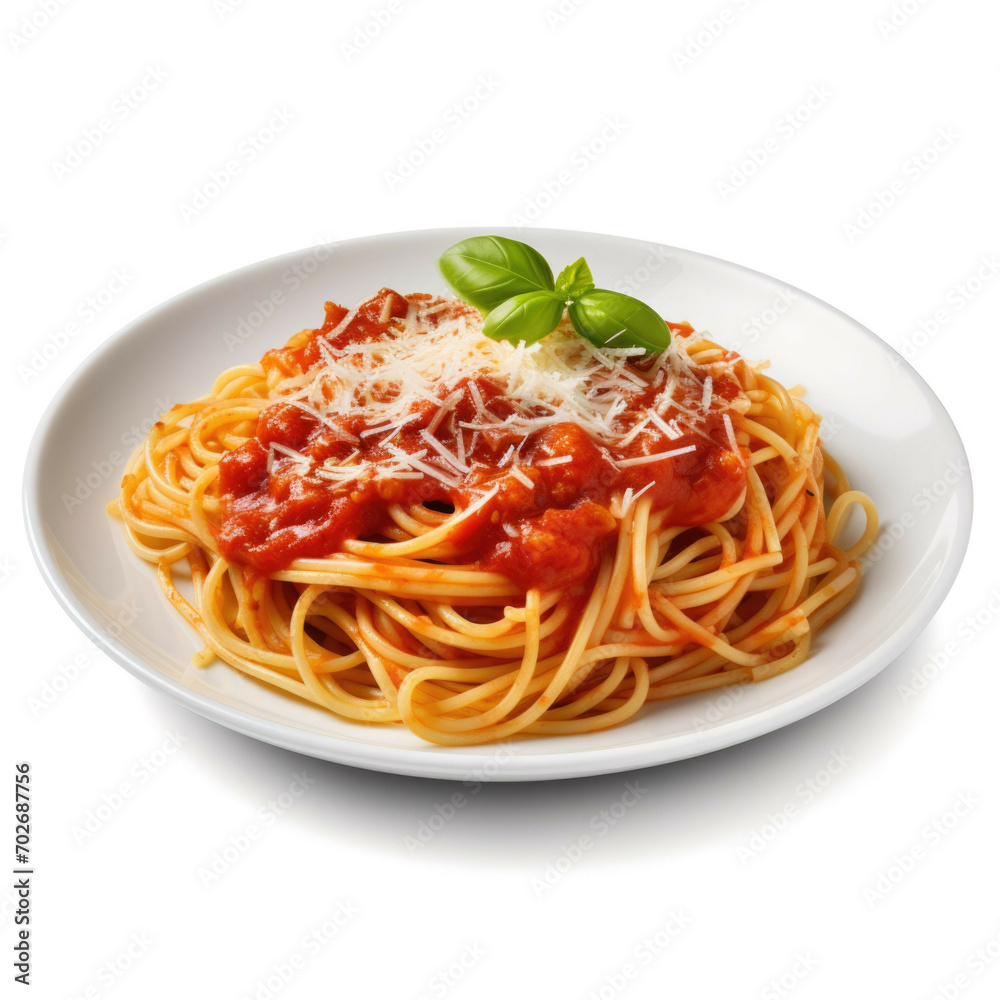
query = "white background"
x=822 y=908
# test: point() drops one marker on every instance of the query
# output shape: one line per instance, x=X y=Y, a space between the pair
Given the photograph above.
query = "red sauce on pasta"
x=547 y=535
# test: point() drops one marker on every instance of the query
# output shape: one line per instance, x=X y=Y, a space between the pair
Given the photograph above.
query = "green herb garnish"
x=511 y=285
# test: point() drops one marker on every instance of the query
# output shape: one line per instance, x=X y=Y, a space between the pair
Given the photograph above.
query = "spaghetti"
x=399 y=520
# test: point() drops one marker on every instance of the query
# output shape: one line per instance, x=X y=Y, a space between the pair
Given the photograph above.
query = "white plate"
x=883 y=423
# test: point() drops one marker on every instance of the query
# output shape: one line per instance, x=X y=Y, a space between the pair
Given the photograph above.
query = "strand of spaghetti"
x=406 y=659
x=717 y=620
x=836 y=515
x=700 y=634
x=653 y=555
x=685 y=556
x=763 y=508
x=247 y=665
x=785 y=663
x=545 y=699
x=232 y=412
x=793 y=515
x=695 y=568
x=762 y=455
x=150 y=553
x=156 y=478
x=550 y=598
x=346 y=621
x=154 y=530
x=786 y=408
x=798 y=616
x=775 y=580
x=835 y=605
x=784 y=448
x=699 y=662
x=415 y=521
x=800 y=565
x=277 y=615
x=583 y=703
x=441 y=587
x=727 y=575
x=841 y=485
x=419 y=625
x=607 y=719
x=513 y=696
x=197 y=509
x=488 y=686
x=225 y=639
x=327 y=691
x=167 y=443
x=813 y=516
x=447 y=617
x=706 y=598
x=619 y=572
x=424 y=542
x=235 y=381
x=636 y=584
x=405 y=569
x=676 y=689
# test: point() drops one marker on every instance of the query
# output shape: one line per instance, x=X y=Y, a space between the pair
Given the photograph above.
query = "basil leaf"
x=528 y=317
x=488 y=270
x=605 y=317
x=575 y=279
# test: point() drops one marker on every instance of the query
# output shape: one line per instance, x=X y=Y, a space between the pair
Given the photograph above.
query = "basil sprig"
x=488 y=270
x=512 y=285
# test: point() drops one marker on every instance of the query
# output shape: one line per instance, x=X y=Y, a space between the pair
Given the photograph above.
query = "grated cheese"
x=434 y=355
x=450 y=458
x=521 y=477
x=648 y=486
x=670 y=429
x=706 y=394
x=730 y=434
x=624 y=463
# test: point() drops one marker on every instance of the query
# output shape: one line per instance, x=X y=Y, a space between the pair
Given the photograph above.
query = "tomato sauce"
x=551 y=534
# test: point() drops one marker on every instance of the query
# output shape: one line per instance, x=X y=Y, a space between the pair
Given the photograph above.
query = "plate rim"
x=439 y=762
